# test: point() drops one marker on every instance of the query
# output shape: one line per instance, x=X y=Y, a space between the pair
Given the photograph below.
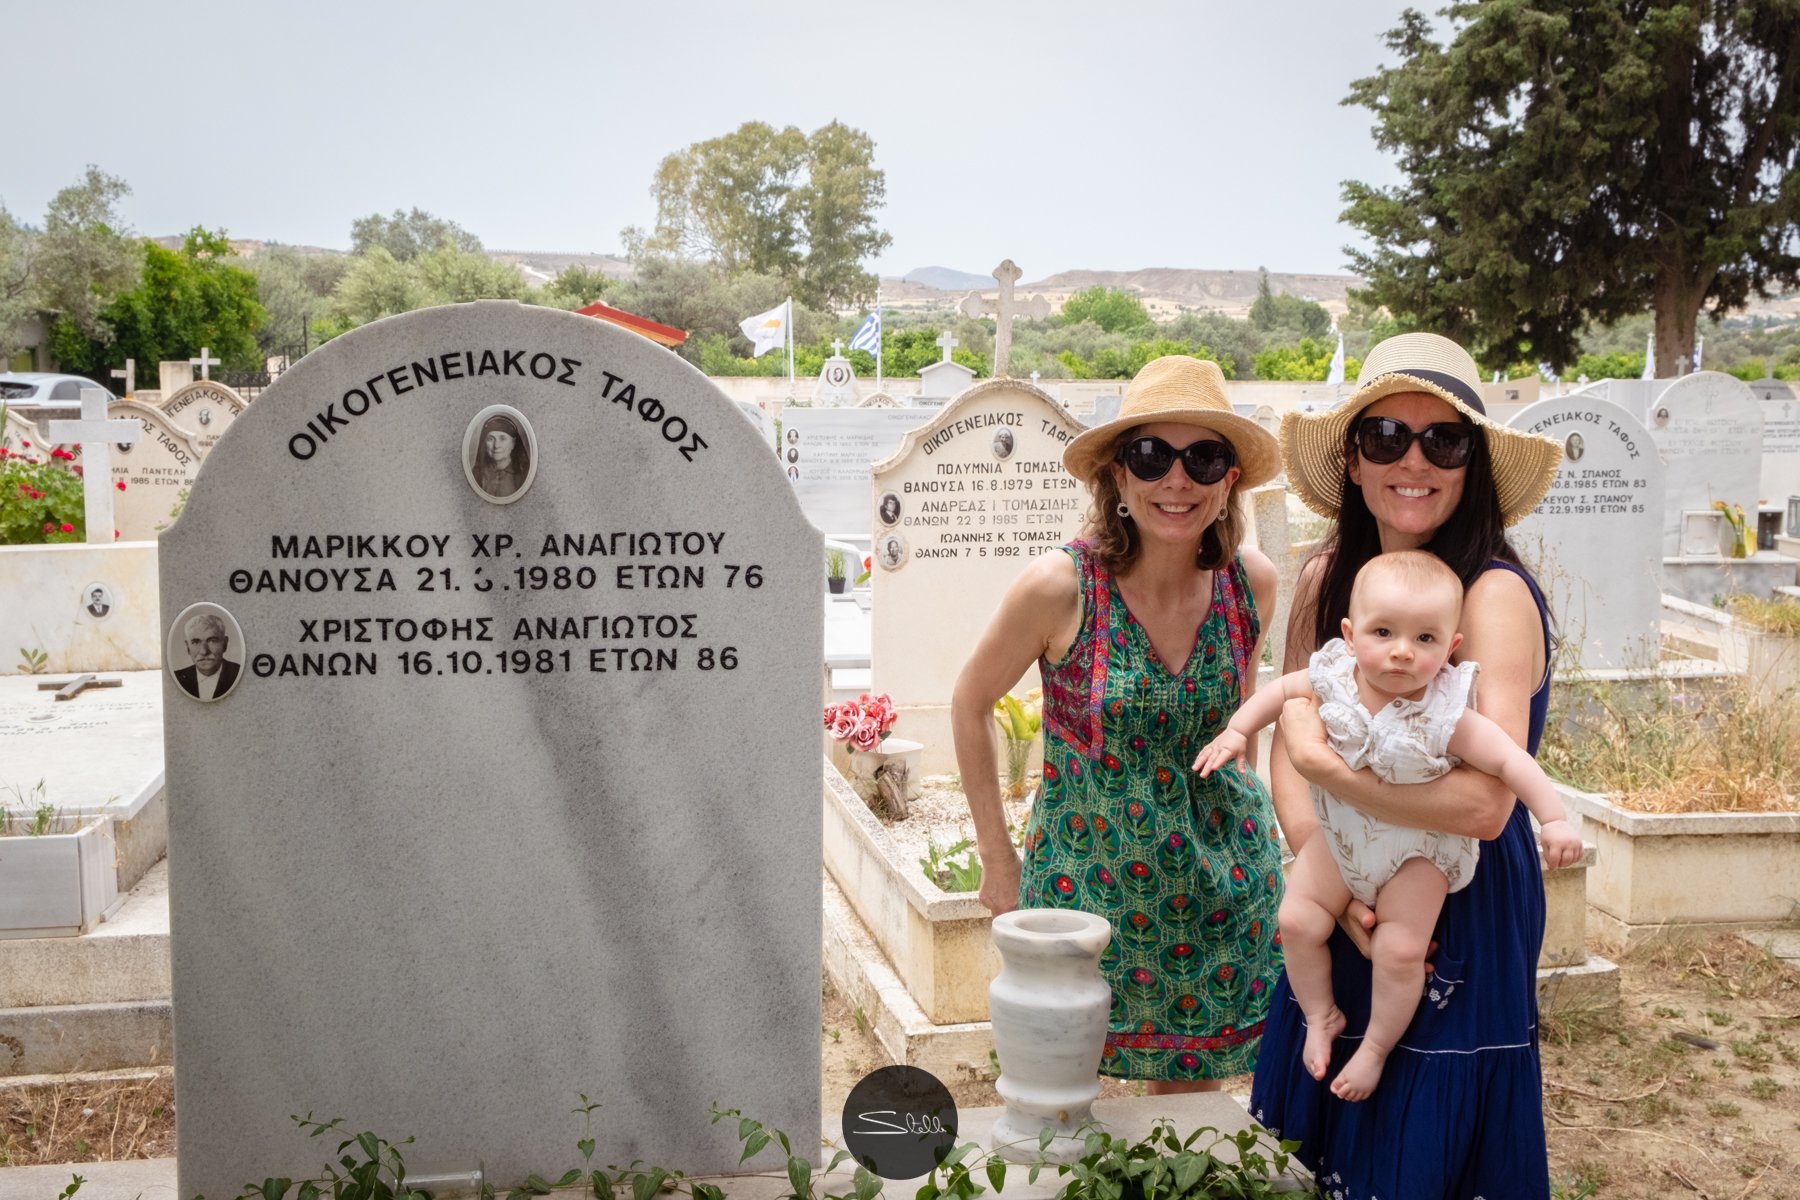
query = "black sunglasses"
x=1149 y=458
x=1447 y=444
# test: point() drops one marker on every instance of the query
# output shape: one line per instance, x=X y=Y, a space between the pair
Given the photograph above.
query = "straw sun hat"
x=1523 y=465
x=1187 y=391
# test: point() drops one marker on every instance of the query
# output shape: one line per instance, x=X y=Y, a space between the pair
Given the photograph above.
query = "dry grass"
x=1774 y=615
x=1676 y=748
x=91 y=1119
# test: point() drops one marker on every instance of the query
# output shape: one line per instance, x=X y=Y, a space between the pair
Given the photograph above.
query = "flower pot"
x=838 y=584
x=1049 y=1007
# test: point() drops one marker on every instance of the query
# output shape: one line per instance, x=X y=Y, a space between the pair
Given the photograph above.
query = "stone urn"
x=1049 y=1007
x=887 y=776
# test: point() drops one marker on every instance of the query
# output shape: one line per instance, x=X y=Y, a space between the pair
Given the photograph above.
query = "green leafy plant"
x=33 y=660
x=29 y=814
x=757 y=1137
x=368 y=1167
x=943 y=868
x=1019 y=721
x=836 y=564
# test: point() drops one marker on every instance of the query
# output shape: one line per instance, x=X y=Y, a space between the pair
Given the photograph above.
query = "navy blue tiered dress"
x=1459 y=1111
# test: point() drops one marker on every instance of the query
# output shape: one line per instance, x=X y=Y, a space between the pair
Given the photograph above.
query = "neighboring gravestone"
x=1708 y=429
x=512 y=792
x=943 y=380
x=1780 y=441
x=19 y=436
x=828 y=453
x=759 y=417
x=837 y=381
x=973 y=496
x=1595 y=542
x=203 y=410
x=156 y=470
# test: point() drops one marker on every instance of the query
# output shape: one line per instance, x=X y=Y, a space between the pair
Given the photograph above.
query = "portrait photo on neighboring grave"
x=793 y=454
x=205 y=651
x=1574 y=448
x=97 y=599
x=500 y=454
x=1003 y=442
x=892 y=550
x=889 y=508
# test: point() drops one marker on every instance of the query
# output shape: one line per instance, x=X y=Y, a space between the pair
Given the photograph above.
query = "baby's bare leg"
x=1315 y=896
x=1406 y=911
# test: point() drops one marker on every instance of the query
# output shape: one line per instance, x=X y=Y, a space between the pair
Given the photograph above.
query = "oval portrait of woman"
x=499 y=454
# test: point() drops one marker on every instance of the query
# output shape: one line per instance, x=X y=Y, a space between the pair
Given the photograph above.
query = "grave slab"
x=47 y=605
x=520 y=759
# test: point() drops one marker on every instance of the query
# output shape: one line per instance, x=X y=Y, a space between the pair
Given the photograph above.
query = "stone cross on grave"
x=204 y=363
x=837 y=347
x=1034 y=379
x=948 y=343
x=96 y=436
x=68 y=689
x=129 y=375
x=1003 y=313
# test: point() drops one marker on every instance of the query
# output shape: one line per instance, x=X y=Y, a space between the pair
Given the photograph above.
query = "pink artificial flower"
x=867 y=734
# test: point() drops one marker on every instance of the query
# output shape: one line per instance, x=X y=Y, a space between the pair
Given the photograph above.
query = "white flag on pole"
x=868 y=337
x=1336 y=373
x=766 y=331
x=1649 y=357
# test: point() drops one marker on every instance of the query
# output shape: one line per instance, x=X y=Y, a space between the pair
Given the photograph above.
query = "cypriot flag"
x=766 y=331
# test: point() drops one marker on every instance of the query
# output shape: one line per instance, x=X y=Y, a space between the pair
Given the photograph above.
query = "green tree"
x=575 y=286
x=1270 y=312
x=73 y=266
x=774 y=202
x=295 y=290
x=379 y=285
x=1308 y=359
x=1572 y=161
x=1111 y=309
x=408 y=235
x=184 y=300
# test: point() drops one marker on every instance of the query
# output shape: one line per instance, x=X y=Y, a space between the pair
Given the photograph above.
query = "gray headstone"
x=829 y=452
x=1708 y=429
x=203 y=410
x=516 y=792
x=1595 y=543
x=837 y=384
x=1780 y=447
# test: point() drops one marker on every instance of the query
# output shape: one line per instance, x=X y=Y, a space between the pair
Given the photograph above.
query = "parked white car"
x=39 y=396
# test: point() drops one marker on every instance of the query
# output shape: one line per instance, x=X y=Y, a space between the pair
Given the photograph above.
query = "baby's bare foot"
x=1360 y=1075
x=1316 y=1054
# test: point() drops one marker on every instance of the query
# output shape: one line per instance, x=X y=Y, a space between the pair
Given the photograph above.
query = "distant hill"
x=948 y=279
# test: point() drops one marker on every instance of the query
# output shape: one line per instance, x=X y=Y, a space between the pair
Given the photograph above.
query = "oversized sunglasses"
x=1447 y=444
x=1149 y=458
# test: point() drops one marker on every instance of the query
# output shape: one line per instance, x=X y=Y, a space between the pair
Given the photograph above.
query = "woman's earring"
x=1124 y=509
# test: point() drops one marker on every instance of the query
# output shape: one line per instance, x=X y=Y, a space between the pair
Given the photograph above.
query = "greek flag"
x=869 y=336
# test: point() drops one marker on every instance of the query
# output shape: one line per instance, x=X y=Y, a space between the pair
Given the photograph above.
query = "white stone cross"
x=1005 y=311
x=68 y=689
x=96 y=436
x=203 y=362
x=129 y=375
x=1034 y=379
x=837 y=347
x=948 y=343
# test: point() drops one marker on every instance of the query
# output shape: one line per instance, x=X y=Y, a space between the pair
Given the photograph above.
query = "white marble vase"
x=1049 y=1007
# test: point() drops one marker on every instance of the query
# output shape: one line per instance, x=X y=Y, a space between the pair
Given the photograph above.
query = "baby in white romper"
x=1389 y=702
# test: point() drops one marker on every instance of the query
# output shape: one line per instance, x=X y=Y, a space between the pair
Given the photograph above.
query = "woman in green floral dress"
x=1147 y=632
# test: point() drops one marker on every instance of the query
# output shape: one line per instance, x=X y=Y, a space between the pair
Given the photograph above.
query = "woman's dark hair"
x=1472 y=537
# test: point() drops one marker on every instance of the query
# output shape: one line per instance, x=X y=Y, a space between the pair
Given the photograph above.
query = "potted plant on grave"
x=883 y=769
x=1019 y=721
x=836 y=571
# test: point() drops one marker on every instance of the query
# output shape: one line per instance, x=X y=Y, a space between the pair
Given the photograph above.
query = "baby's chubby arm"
x=1482 y=744
x=1261 y=710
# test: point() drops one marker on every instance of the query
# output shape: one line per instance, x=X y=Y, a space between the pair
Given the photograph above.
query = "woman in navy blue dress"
x=1410 y=461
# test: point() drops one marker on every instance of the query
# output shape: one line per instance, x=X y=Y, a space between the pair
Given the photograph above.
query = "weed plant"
x=1775 y=615
x=1671 y=747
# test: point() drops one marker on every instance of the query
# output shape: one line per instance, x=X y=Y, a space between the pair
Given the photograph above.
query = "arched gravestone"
x=1781 y=439
x=960 y=508
x=514 y=794
x=155 y=470
x=1595 y=542
x=1708 y=428
x=203 y=410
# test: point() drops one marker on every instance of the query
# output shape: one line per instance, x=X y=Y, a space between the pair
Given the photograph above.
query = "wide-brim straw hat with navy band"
x=1186 y=391
x=1312 y=444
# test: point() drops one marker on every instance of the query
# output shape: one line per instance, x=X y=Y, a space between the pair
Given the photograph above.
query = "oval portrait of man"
x=205 y=652
x=888 y=510
x=500 y=454
x=1574 y=448
x=890 y=551
x=97 y=599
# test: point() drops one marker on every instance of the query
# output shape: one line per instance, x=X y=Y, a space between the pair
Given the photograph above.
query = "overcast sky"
x=1062 y=134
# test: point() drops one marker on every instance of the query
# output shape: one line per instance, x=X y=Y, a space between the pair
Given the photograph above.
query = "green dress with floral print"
x=1187 y=869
